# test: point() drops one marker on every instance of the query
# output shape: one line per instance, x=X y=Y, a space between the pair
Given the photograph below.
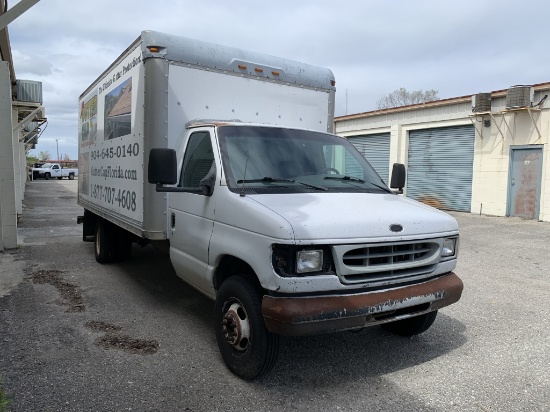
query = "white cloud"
x=373 y=47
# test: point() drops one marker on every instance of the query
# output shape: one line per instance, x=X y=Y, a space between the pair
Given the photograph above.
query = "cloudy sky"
x=373 y=47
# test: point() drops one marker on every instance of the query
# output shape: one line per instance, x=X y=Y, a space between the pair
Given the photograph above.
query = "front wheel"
x=411 y=326
x=248 y=349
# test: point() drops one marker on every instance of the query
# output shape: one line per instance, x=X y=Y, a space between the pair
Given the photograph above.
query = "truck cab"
x=292 y=232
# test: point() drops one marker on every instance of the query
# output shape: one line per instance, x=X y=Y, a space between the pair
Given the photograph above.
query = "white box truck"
x=224 y=157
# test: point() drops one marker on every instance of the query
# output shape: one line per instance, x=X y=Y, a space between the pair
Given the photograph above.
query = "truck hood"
x=358 y=216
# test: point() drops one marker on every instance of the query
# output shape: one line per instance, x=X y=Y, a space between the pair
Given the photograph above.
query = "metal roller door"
x=376 y=149
x=441 y=166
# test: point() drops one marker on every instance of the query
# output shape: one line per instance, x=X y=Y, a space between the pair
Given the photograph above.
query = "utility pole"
x=57 y=145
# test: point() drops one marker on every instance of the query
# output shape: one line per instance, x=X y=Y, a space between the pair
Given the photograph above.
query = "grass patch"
x=4 y=400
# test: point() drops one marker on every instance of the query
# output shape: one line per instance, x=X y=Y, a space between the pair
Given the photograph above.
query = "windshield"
x=260 y=159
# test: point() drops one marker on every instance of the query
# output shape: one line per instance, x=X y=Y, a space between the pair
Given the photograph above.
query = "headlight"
x=302 y=260
x=309 y=261
x=450 y=247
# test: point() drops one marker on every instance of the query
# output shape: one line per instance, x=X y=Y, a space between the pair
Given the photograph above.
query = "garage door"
x=376 y=149
x=440 y=167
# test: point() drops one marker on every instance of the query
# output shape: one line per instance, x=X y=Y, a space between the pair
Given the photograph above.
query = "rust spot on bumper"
x=321 y=314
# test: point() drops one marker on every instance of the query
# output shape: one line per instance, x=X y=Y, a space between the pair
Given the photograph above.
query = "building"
x=481 y=154
x=21 y=117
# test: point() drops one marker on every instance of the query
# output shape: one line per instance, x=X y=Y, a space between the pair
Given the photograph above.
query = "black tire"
x=252 y=350
x=123 y=247
x=71 y=176
x=104 y=245
x=411 y=326
x=47 y=176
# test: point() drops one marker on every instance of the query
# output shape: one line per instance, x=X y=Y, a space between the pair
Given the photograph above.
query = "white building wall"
x=17 y=168
x=8 y=212
x=492 y=144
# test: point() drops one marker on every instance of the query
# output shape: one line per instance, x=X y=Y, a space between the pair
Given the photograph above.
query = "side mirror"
x=398 y=177
x=162 y=169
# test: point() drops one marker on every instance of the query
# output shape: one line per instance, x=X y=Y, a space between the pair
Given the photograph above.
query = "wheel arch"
x=233 y=266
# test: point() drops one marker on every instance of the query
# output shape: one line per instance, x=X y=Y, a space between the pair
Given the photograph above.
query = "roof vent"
x=519 y=96
x=481 y=102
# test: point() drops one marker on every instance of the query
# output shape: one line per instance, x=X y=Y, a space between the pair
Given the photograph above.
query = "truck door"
x=191 y=216
x=56 y=171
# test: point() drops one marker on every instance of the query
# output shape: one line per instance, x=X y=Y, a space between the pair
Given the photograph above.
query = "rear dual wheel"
x=111 y=242
x=104 y=245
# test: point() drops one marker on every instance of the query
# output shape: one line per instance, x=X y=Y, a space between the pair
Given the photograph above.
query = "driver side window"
x=197 y=161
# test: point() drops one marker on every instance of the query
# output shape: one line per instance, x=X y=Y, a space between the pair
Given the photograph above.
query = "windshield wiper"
x=355 y=179
x=280 y=179
x=265 y=179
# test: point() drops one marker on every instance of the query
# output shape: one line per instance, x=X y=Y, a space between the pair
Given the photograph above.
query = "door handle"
x=173 y=220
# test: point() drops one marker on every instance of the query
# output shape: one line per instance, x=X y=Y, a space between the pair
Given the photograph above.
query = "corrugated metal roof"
x=436 y=103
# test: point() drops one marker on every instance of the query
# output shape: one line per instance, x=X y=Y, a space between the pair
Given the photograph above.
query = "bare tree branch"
x=44 y=155
x=402 y=97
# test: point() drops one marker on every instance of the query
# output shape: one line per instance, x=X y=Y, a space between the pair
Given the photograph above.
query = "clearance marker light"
x=154 y=49
x=242 y=66
x=274 y=73
x=258 y=69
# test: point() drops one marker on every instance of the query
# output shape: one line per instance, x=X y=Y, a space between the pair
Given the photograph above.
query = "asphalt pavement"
x=79 y=336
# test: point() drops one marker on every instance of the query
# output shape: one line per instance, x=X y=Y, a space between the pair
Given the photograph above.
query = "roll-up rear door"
x=440 y=167
x=376 y=149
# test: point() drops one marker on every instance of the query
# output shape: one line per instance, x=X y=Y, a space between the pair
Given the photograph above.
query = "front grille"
x=385 y=263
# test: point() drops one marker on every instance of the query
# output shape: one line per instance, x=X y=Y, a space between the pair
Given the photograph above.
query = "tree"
x=31 y=159
x=66 y=157
x=402 y=97
x=44 y=156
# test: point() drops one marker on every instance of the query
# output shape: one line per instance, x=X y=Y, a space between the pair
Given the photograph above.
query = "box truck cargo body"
x=224 y=157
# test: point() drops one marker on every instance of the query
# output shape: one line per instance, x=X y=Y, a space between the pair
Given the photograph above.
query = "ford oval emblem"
x=396 y=228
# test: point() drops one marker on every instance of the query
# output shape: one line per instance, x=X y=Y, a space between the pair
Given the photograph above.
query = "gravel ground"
x=79 y=336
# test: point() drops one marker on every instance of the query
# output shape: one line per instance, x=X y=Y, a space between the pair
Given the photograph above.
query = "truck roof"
x=211 y=56
x=234 y=122
x=216 y=56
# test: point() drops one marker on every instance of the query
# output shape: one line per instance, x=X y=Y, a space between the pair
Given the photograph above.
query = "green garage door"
x=376 y=149
x=440 y=168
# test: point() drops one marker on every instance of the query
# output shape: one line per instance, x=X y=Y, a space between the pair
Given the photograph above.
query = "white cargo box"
x=160 y=83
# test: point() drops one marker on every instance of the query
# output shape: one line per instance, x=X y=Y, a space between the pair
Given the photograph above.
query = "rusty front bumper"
x=297 y=316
